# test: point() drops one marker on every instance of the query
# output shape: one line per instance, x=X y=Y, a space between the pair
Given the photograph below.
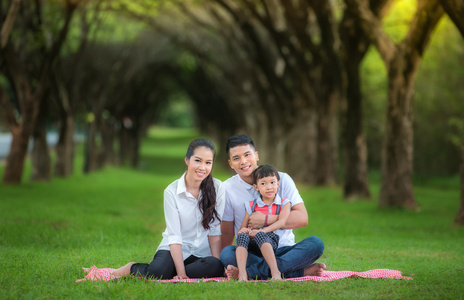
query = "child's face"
x=267 y=187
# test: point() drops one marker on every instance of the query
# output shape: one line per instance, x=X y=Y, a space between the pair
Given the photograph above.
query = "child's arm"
x=244 y=226
x=282 y=219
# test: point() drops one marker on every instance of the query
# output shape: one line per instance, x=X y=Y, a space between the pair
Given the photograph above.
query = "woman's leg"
x=124 y=270
x=162 y=267
x=204 y=267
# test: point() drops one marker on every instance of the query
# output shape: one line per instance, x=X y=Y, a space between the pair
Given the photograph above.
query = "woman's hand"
x=180 y=277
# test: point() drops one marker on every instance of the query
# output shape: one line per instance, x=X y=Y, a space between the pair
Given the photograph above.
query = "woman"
x=193 y=207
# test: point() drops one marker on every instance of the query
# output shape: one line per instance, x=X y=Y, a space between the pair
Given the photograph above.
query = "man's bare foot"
x=314 y=269
x=233 y=272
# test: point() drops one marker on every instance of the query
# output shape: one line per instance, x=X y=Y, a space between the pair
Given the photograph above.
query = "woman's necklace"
x=194 y=192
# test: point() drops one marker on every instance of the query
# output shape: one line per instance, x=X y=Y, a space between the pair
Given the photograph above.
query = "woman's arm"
x=176 y=254
x=215 y=245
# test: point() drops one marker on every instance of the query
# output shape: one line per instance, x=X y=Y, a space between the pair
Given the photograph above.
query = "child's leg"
x=269 y=256
x=268 y=243
x=241 y=253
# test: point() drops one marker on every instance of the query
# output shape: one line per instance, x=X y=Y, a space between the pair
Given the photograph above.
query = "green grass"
x=49 y=231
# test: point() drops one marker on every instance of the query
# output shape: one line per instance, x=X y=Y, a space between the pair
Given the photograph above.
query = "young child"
x=266 y=180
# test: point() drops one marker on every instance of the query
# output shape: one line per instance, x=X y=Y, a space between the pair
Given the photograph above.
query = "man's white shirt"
x=238 y=192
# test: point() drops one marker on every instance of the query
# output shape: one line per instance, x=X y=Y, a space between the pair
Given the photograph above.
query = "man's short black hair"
x=239 y=140
x=264 y=171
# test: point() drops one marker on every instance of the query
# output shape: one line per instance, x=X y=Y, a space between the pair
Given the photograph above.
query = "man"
x=293 y=260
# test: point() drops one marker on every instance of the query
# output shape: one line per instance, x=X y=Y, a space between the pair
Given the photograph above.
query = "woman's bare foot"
x=315 y=269
x=123 y=271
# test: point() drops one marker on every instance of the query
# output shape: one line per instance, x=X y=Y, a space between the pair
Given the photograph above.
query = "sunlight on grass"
x=49 y=231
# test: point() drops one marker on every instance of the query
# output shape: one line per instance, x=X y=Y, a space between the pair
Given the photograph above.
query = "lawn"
x=49 y=231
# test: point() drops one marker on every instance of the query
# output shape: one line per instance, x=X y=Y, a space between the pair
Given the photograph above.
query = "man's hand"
x=256 y=220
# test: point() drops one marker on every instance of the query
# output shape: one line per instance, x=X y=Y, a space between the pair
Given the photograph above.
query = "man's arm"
x=227 y=229
x=298 y=218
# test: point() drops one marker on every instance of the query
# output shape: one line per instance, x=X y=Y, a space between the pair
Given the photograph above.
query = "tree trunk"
x=397 y=162
x=64 y=165
x=356 y=182
x=460 y=217
x=107 y=133
x=326 y=171
x=91 y=150
x=20 y=133
x=455 y=10
x=402 y=62
x=16 y=157
x=301 y=155
x=40 y=155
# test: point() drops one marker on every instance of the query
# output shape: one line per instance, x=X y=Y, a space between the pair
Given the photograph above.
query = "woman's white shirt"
x=183 y=219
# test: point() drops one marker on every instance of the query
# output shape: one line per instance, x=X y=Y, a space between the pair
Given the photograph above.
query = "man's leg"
x=228 y=257
x=293 y=261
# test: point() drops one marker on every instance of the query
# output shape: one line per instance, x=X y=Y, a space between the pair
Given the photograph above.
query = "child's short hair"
x=264 y=171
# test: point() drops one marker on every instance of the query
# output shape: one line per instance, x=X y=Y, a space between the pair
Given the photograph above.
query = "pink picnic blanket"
x=95 y=274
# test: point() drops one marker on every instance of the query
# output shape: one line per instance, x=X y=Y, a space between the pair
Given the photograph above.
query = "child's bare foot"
x=276 y=278
x=243 y=278
x=314 y=269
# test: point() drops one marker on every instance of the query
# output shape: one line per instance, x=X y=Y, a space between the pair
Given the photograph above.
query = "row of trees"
x=296 y=64
x=285 y=72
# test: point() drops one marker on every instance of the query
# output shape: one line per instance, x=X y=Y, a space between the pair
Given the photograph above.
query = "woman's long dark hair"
x=207 y=202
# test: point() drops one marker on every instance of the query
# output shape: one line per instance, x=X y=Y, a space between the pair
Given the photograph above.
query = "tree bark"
x=7 y=25
x=460 y=217
x=20 y=131
x=402 y=62
x=29 y=90
x=302 y=150
x=64 y=164
x=327 y=129
x=40 y=155
x=355 y=45
x=91 y=148
x=455 y=10
x=356 y=183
